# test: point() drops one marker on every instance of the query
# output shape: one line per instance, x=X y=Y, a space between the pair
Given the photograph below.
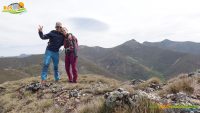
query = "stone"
x=191 y=74
x=148 y=90
x=137 y=81
x=120 y=89
x=198 y=96
x=2 y=89
x=118 y=98
x=155 y=86
x=74 y=93
x=34 y=87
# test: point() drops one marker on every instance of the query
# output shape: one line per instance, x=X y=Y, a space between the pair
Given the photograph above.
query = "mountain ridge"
x=126 y=61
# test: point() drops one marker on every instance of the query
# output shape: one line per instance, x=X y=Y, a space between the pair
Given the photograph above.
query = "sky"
x=105 y=23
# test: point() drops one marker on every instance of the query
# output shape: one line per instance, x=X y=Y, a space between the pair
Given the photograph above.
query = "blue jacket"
x=56 y=40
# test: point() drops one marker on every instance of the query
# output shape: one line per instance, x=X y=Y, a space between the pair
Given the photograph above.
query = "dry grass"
x=95 y=106
x=98 y=106
x=183 y=84
x=198 y=80
x=154 y=80
x=31 y=104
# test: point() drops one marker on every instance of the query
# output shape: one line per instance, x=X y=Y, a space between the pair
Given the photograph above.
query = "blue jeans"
x=47 y=59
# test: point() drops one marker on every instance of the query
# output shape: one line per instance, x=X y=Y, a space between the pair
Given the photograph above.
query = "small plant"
x=153 y=80
x=198 y=80
x=181 y=85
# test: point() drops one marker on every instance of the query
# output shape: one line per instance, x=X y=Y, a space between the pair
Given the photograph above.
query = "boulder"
x=2 y=89
x=191 y=74
x=120 y=97
x=155 y=86
x=137 y=81
x=34 y=87
x=74 y=93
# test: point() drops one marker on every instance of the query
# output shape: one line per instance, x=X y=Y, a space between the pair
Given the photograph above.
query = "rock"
x=106 y=95
x=118 y=98
x=191 y=74
x=55 y=88
x=142 y=93
x=1 y=109
x=155 y=86
x=120 y=89
x=77 y=100
x=137 y=81
x=34 y=87
x=148 y=90
x=2 y=89
x=74 y=93
x=198 y=96
x=179 y=97
x=193 y=96
x=169 y=96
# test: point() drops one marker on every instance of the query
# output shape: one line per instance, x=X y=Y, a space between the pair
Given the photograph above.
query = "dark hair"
x=69 y=34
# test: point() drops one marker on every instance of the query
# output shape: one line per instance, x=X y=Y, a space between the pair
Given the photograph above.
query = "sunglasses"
x=57 y=27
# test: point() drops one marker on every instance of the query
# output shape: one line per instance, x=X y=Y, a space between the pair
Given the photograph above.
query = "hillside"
x=135 y=60
x=98 y=94
x=124 y=62
x=185 y=47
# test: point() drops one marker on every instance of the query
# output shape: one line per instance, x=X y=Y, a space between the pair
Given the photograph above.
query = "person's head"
x=70 y=36
x=58 y=26
x=64 y=31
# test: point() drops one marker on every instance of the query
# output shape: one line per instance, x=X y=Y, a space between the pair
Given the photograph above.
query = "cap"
x=59 y=24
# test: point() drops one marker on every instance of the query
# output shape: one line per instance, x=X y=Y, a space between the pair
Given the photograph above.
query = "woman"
x=71 y=57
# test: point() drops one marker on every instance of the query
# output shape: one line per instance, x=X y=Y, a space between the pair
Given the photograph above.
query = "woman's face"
x=64 y=31
x=70 y=36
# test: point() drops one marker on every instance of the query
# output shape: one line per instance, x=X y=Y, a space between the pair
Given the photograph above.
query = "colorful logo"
x=15 y=8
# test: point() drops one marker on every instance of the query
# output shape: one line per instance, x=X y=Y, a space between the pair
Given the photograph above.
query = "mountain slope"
x=135 y=60
x=126 y=61
x=185 y=47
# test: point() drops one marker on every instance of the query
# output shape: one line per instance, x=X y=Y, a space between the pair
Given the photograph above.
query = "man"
x=56 y=40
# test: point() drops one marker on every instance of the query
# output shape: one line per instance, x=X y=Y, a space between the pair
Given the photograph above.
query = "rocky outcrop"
x=2 y=89
x=120 y=97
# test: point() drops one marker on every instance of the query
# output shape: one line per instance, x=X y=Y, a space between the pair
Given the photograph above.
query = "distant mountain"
x=126 y=61
x=185 y=47
x=135 y=60
x=23 y=55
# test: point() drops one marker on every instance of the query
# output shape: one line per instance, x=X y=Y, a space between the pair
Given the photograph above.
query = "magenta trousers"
x=71 y=67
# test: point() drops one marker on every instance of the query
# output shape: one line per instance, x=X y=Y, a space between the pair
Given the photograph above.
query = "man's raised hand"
x=40 y=28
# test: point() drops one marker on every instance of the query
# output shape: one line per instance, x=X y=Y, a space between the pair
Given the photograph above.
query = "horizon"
x=100 y=46
x=143 y=20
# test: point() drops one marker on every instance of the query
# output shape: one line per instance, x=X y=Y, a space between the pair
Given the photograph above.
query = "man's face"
x=58 y=28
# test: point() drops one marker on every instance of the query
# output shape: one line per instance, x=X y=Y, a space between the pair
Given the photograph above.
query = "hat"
x=59 y=24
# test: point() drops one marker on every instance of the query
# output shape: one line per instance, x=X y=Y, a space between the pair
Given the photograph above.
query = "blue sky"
x=104 y=23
